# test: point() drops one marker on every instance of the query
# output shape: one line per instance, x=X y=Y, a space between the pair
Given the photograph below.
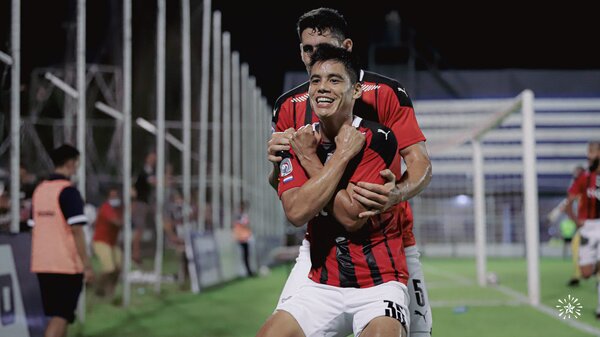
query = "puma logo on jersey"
x=385 y=133
x=418 y=313
x=402 y=90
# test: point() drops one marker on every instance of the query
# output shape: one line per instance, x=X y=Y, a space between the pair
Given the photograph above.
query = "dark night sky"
x=486 y=36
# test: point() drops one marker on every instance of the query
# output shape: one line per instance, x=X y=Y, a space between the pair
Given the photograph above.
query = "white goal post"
x=456 y=131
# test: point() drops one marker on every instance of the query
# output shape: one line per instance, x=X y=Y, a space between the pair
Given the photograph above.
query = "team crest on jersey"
x=285 y=167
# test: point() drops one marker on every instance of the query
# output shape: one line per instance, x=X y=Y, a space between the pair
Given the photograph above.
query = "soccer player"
x=385 y=101
x=357 y=282
x=586 y=189
x=58 y=252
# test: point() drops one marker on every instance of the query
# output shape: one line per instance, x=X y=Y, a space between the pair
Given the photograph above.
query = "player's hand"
x=377 y=198
x=88 y=275
x=349 y=141
x=280 y=141
x=305 y=141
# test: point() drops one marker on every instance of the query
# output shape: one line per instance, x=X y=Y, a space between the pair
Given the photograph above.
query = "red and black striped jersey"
x=587 y=187
x=375 y=253
x=384 y=101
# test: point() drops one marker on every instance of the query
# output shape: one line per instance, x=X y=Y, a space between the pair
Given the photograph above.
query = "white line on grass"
x=519 y=298
x=550 y=311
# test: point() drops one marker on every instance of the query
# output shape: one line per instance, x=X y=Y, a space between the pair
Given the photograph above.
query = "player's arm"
x=303 y=203
x=381 y=154
x=418 y=171
x=344 y=208
x=347 y=210
x=283 y=129
x=571 y=198
x=280 y=141
x=79 y=237
x=71 y=205
x=574 y=192
x=305 y=142
x=399 y=115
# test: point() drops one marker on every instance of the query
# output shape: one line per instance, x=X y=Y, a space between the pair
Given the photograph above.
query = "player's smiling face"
x=330 y=89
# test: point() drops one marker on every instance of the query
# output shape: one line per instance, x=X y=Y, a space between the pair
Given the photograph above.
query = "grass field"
x=460 y=307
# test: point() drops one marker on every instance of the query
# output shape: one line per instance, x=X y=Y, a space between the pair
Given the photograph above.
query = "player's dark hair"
x=326 y=52
x=323 y=19
x=63 y=154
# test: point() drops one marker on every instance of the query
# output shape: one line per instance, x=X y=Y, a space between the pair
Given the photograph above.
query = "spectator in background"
x=58 y=252
x=146 y=179
x=144 y=186
x=242 y=234
x=174 y=231
x=108 y=225
x=139 y=221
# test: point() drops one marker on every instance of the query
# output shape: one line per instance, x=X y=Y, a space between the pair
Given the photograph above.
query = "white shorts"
x=325 y=311
x=419 y=307
x=299 y=274
x=590 y=239
x=420 y=310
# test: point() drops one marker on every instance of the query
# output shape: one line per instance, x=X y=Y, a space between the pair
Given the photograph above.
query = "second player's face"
x=330 y=90
x=310 y=38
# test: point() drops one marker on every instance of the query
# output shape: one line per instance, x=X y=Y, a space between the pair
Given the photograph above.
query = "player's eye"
x=308 y=49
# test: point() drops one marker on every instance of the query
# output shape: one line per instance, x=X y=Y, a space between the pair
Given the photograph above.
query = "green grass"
x=239 y=308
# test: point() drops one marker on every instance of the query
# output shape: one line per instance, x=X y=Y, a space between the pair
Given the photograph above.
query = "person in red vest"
x=58 y=252
x=108 y=225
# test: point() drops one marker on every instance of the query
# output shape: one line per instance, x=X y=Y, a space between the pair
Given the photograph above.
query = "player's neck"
x=330 y=127
x=63 y=171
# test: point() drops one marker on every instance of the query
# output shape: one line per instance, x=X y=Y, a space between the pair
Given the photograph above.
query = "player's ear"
x=357 y=90
x=347 y=44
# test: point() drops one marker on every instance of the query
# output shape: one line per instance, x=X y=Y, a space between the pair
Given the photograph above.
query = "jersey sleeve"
x=291 y=175
x=398 y=114
x=577 y=186
x=71 y=205
x=283 y=118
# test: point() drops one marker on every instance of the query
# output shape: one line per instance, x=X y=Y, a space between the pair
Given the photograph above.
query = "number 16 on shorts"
x=395 y=311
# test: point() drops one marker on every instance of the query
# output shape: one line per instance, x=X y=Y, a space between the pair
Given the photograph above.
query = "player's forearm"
x=311 y=164
x=79 y=237
x=346 y=211
x=418 y=172
x=569 y=210
x=302 y=204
